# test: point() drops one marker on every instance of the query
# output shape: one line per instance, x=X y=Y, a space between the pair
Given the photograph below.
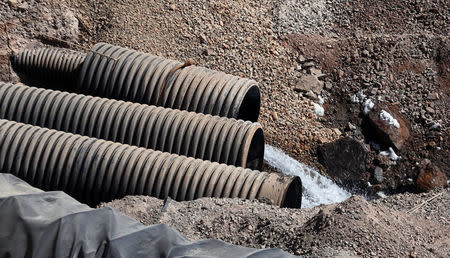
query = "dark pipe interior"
x=250 y=105
x=293 y=197
x=255 y=156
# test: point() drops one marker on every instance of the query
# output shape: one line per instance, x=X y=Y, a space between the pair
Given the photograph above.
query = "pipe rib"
x=94 y=170
x=224 y=140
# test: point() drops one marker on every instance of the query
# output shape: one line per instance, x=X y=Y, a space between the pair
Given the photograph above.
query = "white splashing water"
x=317 y=189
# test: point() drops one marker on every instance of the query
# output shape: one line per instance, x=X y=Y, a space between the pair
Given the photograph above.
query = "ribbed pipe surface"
x=119 y=73
x=224 y=140
x=53 y=64
x=116 y=72
x=94 y=170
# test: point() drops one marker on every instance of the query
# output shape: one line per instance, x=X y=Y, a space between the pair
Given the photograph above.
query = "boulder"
x=430 y=177
x=389 y=126
x=345 y=161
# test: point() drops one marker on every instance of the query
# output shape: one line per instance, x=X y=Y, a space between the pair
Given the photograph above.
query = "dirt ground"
x=398 y=226
x=394 y=52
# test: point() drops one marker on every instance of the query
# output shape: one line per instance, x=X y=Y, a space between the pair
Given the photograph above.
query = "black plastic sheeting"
x=34 y=223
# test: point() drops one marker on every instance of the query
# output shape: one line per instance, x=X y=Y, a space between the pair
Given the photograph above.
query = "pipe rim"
x=292 y=197
x=253 y=153
x=250 y=105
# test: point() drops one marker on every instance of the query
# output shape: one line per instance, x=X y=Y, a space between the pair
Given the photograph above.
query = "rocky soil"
x=356 y=86
x=310 y=57
x=398 y=226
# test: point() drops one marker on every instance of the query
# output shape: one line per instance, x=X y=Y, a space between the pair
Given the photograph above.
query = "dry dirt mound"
x=355 y=227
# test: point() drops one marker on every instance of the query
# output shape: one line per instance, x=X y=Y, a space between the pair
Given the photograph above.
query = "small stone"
x=275 y=116
x=351 y=127
x=314 y=71
x=340 y=74
x=301 y=59
x=433 y=96
x=378 y=175
x=311 y=95
x=365 y=53
x=172 y=7
x=208 y=52
x=429 y=110
x=13 y=3
x=308 y=65
x=432 y=144
x=203 y=39
x=430 y=177
x=328 y=85
x=337 y=131
x=19 y=4
x=381 y=194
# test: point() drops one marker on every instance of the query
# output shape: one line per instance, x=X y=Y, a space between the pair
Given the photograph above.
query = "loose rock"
x=389 y=126
x=430 y=177
x=378 y=175
x=309 y=83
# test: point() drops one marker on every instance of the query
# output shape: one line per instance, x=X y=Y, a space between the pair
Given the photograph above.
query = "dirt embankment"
x=397 y=226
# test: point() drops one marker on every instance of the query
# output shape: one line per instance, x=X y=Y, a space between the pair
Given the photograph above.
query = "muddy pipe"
x=94 y=170
x=115 y=72
x=220 y=139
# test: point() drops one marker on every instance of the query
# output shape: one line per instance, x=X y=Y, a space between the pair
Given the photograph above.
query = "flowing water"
x=317 y=189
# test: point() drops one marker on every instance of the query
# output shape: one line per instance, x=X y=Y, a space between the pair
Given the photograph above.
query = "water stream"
x=317 y=189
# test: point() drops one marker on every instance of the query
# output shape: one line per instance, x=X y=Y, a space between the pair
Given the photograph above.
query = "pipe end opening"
x=249 y=110
x=293 y=196
x=255 y=156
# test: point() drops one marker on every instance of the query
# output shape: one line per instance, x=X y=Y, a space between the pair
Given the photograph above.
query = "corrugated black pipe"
x=224 y=140
x=94 y=170
x=119 y=73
